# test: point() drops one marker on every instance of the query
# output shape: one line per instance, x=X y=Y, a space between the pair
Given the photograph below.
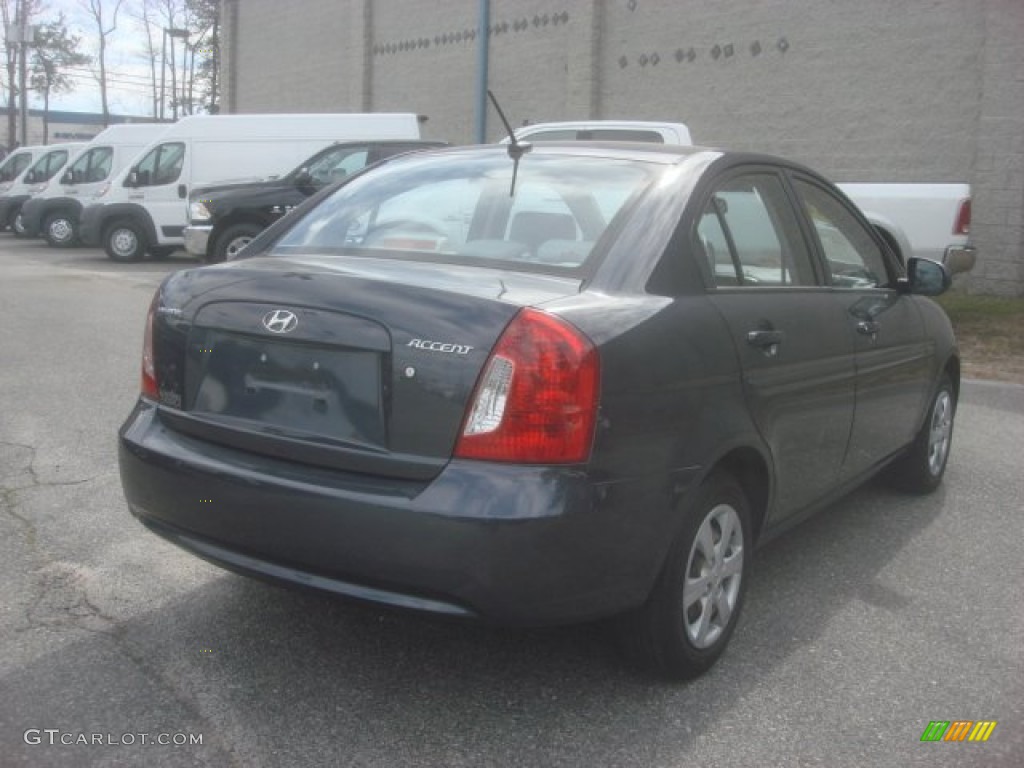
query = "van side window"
x=94 y=165
x=54 y=162
x=161 y=165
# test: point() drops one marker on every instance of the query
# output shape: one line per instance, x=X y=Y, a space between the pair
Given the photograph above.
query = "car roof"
x=626 y=150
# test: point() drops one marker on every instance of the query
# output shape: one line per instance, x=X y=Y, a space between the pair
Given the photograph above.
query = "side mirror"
x=926 y=277
x=132 y=179
x=68 y=177
x=30 y=177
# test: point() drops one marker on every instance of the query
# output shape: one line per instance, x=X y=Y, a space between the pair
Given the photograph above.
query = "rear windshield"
x=465 y=208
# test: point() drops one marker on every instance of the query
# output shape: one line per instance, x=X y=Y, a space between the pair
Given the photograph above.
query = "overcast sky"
x=128 y=74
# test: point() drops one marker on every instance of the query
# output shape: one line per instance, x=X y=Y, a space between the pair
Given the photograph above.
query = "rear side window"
x=749 y=236
x=853 y=258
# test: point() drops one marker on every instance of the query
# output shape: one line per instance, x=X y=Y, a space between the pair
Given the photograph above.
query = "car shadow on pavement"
x=265 y=670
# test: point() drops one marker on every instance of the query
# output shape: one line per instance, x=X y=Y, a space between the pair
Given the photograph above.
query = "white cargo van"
x=145 y=208
x=53 y=212
x=48 y=161
x=16 y=161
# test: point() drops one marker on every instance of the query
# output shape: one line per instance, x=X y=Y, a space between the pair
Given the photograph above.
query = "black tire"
x=921 y=469
x=18 y=226
x=124 y=241
x=231 y=241
x=60 y=229
x=665 y=636
x=161 y=252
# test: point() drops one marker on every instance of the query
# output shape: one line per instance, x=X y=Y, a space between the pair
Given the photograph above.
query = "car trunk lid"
x=359 y=364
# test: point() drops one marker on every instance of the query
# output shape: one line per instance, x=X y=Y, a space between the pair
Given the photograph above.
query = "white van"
x=145 y=208
x=53 y=213
x=15 y=163
x=48 y=161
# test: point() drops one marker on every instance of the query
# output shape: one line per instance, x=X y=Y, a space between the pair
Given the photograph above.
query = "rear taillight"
x=536 y=401
x=149 y=386
x=962 y=226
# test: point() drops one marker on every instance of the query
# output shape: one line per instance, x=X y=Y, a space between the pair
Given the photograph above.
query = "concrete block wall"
x=998 y=169
x=877 y=90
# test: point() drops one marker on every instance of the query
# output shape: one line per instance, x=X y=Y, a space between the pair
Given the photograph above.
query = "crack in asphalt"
x=62 y=601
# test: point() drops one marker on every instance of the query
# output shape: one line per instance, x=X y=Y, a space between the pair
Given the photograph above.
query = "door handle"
x=868 y=328
x=182 y=191
x=764 y=338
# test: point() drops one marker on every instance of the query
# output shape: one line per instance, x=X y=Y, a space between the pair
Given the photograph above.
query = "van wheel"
x=124 y=241
x=690 y=614
x=233 y=240
x=921 y=469
x=59 y=230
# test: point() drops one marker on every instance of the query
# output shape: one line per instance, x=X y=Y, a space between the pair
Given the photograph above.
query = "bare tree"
x=11 y=11
x=106 y=24
x=146 y=15
x=54 y=50
x=182 y=78
x=205 y=48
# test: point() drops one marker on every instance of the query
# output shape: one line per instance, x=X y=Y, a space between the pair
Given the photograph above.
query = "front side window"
x=853 y=258
x=46 y=166
x=161 y=165
x=338 y=164
x=13 y=167
x=749 y=236
x=94 y=165
x=467 y=209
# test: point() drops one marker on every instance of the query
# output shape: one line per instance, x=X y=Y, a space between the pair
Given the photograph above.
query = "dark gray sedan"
x=541 y=385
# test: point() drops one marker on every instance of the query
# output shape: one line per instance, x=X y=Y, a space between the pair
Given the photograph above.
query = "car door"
x=793 y=341
x=157 y=189
x=893 y=359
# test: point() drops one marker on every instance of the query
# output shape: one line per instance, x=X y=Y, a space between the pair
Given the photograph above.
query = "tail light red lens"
x=962 y=226
x=536 y=400
x=149 y=385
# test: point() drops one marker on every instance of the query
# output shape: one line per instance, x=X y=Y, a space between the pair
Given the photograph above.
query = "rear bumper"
x=960 y=258
x=509 y=544
x=197 y=239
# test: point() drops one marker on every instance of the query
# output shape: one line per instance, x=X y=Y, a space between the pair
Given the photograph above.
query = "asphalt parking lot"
x=875 y=617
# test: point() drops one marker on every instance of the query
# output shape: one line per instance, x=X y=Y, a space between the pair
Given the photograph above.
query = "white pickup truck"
x=928 y=220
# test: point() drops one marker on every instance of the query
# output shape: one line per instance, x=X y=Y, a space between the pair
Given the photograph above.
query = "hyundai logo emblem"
x=280 y=321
